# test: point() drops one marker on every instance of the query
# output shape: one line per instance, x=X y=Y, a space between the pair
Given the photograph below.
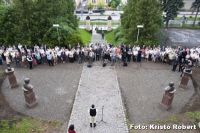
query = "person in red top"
x=71 y=129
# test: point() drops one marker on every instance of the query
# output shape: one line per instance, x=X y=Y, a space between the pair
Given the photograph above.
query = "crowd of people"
x=22 y=56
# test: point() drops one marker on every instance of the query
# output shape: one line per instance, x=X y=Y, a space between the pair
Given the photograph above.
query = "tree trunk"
x=196 y=16
x=167 y=24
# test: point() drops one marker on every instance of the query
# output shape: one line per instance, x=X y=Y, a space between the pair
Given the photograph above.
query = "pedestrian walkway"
x=96 y=37
x=98 y=86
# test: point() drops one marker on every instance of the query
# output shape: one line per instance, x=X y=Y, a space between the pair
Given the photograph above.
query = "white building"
x=78 y=2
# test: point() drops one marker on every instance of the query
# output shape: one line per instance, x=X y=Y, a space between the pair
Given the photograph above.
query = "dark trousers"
x=30 y=64
x=134 y=58
x=71 y=60
x=129 y=57
x=97 y=57
x=174 y=67
x=50 y=62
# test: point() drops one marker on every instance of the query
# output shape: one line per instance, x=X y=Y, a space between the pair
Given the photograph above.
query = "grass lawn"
x=85 y=36
x=27 y=125
x=110 y=37
x=188 y=18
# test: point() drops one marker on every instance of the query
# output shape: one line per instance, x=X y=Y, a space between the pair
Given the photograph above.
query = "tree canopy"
x=114 y=3
x=31 y=22
x=171 y=8
x=196 y=7
x=141 y=12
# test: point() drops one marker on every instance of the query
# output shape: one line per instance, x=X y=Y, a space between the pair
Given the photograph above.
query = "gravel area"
x=55 y=89
x=143 y=87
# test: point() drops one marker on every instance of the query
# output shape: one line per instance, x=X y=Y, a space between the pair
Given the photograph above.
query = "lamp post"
x=57 y=26
x=139 y=27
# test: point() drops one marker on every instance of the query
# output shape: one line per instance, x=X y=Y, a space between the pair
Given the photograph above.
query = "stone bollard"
x=168 y=96
x=11 y=77
x=187 y=73
x=29 y=94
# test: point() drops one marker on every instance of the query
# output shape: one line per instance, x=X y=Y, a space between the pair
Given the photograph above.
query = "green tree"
x=171 y=8
x=145 y=12
x=196 y=7
x=30 y=21
x=100 y=5
x=114 y=3
x=90 y=6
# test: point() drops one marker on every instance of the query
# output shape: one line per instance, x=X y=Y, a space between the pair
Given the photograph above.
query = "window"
x=93 y=1
x=107 y=1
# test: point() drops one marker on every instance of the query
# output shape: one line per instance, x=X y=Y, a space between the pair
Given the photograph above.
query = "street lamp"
x=139 y=27
x=57 y=26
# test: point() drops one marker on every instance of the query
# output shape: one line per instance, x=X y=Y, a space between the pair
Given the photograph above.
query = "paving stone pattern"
x=99 y=86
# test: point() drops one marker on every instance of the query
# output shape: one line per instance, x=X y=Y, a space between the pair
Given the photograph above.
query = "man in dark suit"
x=93 y=113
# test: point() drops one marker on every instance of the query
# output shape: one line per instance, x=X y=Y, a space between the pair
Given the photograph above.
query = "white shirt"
x=49 y=56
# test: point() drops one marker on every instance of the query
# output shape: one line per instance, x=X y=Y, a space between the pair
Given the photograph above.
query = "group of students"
x=22 y=56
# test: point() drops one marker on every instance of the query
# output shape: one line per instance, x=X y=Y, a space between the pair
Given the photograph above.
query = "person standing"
x=7 y=58
x=139 y=56
x=124 y=55
x=93 y=113
x=175 y=64
x=113 y=55
x=50 y=59
x=1 y=60
x=129 y=53
x=71 y=129
x=91 y=58
x=30 y=61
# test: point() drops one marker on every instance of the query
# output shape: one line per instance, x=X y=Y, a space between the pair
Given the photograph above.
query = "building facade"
x=77 y=3
x=188 y=4
x=97 y=3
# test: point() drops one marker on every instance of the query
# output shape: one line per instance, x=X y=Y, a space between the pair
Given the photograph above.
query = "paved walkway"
x=96 y=38
x=98 y=86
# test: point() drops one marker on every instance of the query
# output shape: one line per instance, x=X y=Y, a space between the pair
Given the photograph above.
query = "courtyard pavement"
x=99 y=86
x=143 y=88
x=55 y=89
